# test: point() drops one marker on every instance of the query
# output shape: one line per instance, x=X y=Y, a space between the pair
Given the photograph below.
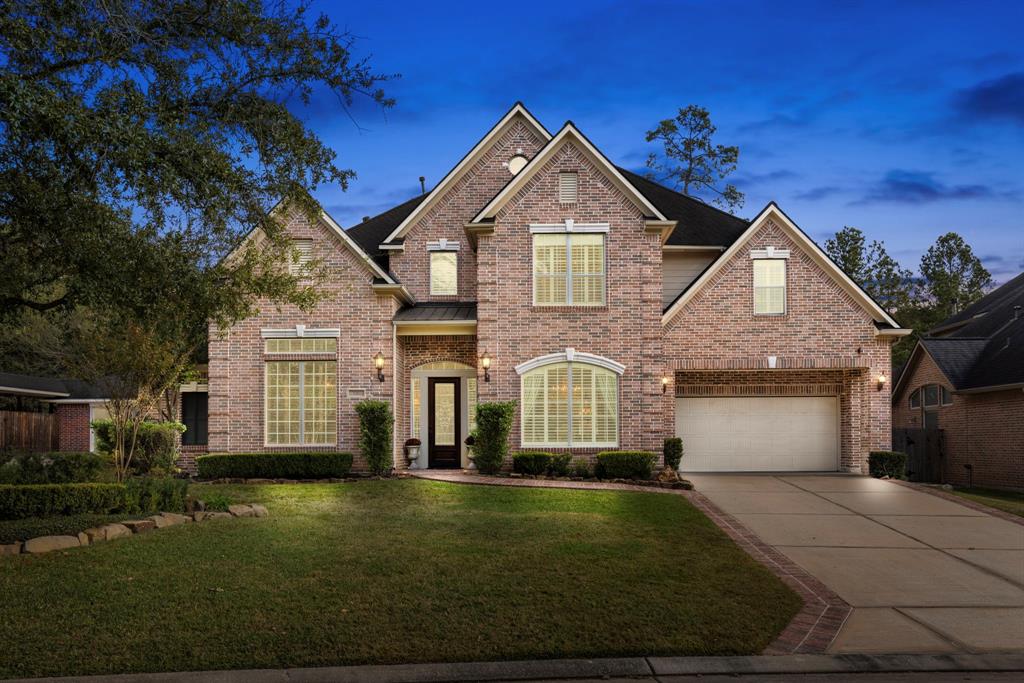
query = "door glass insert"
x=444 y=414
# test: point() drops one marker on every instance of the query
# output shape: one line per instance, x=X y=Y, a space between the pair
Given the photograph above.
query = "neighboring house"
x=77 y=404
x=614 y=311
x=966 y=377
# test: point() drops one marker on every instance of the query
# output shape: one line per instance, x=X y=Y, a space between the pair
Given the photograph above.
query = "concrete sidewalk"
x=627 y=668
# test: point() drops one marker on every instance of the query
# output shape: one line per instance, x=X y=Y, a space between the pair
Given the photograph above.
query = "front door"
x=443 y=450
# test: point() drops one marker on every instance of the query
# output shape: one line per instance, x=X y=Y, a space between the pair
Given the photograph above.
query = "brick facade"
x=73 y=426
x=985 y=430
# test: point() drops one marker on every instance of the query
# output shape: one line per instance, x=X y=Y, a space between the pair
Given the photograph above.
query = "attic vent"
x=516 y=164
x=301 y=257
x=567 y=187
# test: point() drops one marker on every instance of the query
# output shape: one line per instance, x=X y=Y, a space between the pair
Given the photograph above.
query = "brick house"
x=615 y=311
x=966 y=377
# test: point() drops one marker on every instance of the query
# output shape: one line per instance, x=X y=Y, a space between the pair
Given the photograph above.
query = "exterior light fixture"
x=485 y=363
x=881 y=381
x=378 y=362
x=664 y=384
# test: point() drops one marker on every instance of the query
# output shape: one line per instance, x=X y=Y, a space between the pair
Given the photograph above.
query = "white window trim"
x=302 y=409
x=785 y=288
x=569 y=357
x=568 y=228
x=769 y=253
x=443 y=245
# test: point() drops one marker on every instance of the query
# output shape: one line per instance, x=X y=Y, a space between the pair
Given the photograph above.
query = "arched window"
x=570 y=400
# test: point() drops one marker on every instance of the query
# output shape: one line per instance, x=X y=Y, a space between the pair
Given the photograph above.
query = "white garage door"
x=762 y=434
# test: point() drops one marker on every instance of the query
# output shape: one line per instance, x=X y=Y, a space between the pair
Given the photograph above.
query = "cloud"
x=816 y=193
x=751 y=179
x=775 y=122
x=917 y=187
x=1001 y=98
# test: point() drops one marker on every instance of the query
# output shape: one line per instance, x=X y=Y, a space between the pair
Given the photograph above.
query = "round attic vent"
x=516 y=164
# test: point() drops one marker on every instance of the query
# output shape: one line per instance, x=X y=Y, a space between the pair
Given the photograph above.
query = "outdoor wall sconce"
x=881 y=381
x=378 y=362
x=485 y=363
x=664 y=384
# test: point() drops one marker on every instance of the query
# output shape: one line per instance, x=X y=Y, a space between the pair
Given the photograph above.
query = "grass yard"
x=1008 y=501
x=394 y=571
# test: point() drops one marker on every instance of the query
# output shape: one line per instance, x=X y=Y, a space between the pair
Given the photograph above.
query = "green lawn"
x=1008 y=501
x=394 y=571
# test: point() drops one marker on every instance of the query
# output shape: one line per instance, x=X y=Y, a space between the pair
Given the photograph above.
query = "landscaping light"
x=378 y=362
x=485 y=363
x=881 y=381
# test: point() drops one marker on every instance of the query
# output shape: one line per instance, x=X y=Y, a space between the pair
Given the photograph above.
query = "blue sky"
x=905 y=119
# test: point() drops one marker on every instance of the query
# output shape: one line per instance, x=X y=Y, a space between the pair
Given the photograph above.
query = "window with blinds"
x=568 y=188
x=570 y=404
x=444 y=273
x=302 y=345
x=301 y=257
x=301 y=403
x=568 y=269
x=769 y=286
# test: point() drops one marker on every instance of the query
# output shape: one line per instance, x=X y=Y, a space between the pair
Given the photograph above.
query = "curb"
x=568 y=669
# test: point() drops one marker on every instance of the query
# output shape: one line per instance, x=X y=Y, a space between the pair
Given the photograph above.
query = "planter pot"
x=412 y=454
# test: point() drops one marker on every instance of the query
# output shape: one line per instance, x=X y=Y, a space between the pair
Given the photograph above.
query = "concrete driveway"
x=923 y=574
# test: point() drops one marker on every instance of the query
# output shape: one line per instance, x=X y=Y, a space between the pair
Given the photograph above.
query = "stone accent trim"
x=762 y=363
x=811 y=631
x=685 y=390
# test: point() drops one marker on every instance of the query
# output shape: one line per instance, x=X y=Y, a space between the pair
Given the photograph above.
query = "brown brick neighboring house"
x=613 y=310
x=966 y=377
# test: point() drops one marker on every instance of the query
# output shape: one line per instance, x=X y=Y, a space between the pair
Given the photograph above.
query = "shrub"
x=625 y=464
x=375 y=434
x=887 y=464
x=274 y=465
x=673 y=452
x=41 y=500
x=51 y=468
x=156 y=444
x=582 y=468
x=148 y=495
x=217 y=503
x=559 y=466
x=493 y=426
x=531 y=462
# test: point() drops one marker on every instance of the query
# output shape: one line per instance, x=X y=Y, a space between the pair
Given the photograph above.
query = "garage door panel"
x=759 y=434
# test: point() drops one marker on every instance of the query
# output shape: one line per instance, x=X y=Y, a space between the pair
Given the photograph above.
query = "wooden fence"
x=925 y=453
x=21 y=431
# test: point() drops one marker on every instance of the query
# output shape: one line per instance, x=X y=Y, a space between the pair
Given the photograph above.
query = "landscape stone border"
x=124 y=529
x=813 y=628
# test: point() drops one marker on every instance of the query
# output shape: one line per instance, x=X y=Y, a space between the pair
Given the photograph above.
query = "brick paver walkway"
x=811 y=631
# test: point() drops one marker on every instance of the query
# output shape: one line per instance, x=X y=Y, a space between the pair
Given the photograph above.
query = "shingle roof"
x=371 y=233
x=700 y=224
x=48 y=387
x=983 y=345
x=438 y=312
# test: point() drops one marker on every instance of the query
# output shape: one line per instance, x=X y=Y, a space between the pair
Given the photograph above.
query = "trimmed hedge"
x=274 y=465
x=493 y=426
x=887 y=464
x=375 y=422
x=50 y=468
x=137 y=496
x=673 y=452
x=531 y=462
x=560 y=463
x=624 y=464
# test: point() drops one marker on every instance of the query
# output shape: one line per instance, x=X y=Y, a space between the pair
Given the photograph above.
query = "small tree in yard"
x=493 y=426
x=375 y=422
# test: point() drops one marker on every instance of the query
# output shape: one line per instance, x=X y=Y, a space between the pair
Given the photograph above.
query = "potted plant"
x=412 y=450
x=470 y=442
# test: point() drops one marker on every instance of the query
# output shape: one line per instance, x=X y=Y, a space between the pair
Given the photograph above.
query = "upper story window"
x=931 y=396
x=769 y=286
x=568 y=188
x=444 y=273
x=301 y=257
x=568 y=269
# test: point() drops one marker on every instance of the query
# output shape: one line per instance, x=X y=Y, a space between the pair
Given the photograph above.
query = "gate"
x=20 y=431
x=924 y=449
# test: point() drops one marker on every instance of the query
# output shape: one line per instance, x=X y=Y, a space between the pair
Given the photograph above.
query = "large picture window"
x=301 y=403
x=570 y=404
x=568 y=269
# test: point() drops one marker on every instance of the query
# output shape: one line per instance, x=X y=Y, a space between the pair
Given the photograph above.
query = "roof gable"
x=568 y=133
x=774 y=213
x=517 y=112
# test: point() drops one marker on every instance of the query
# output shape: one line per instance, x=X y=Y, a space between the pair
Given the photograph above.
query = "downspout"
x=394 y=395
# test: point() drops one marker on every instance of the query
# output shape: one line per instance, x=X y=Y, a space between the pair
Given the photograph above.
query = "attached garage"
x=759 y=433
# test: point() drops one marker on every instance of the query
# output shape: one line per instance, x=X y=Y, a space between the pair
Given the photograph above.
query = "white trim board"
x=542 y=157
x=772 y=211
x=466 y=163
x=570 y=355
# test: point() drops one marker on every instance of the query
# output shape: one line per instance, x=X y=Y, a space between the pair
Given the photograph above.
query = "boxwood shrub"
x=531 y=462
x=42 y=500
x=493 y=426
x=375 y=421
x=51 y=468
x=673 y=452
x=274 y=465
x=887 y=464
x=560 y=463
x=624 y=464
